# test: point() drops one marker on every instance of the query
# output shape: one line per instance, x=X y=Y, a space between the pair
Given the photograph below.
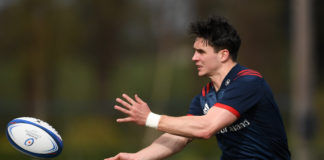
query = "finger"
x=117 y=157
x=130 y=100
x=122 y=109
x=122 y=120
x=138 y=99
x=113 y=158
x=123 y=103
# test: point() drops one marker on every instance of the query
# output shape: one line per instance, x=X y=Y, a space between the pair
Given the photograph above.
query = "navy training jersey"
x=258 y=133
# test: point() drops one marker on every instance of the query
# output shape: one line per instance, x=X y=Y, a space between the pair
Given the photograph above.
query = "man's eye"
x=200 y=51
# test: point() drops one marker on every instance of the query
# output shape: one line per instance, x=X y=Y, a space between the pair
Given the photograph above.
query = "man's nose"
x=195 y=57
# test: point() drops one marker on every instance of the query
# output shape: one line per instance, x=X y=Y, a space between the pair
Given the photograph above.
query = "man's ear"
x=225 y=55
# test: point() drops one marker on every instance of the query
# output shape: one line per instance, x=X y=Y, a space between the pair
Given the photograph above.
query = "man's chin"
x=201 y=74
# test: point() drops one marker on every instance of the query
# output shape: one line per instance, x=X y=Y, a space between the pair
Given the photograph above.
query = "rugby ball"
x=34 y=137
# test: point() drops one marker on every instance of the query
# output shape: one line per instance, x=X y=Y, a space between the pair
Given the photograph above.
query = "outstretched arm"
x=197 y=126
x=163 y=147
x=187 y=126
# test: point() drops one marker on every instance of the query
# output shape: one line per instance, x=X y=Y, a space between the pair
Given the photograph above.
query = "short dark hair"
x=218 y=33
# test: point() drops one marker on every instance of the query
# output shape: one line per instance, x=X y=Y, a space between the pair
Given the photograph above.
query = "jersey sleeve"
x=195 y=108
x=241 y=95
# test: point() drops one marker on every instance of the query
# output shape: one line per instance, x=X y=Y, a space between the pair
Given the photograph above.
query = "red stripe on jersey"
x=203 y=92
x=247 y=72
x=229 y=108
x=252 y=74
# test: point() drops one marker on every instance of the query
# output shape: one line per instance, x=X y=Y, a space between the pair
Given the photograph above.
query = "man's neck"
x=218 y=77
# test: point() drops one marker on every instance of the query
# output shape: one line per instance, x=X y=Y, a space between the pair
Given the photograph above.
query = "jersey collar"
x=231 y=75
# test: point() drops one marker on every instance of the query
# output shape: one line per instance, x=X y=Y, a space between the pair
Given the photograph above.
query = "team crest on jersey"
x=206 y=108
x=227 y=82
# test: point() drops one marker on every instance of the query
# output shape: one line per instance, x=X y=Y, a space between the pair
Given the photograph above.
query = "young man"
x=237 y=105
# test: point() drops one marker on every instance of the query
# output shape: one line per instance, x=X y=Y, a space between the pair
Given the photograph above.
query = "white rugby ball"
x=34 y=137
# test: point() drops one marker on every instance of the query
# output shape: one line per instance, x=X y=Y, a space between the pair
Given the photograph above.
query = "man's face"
x=205 y=58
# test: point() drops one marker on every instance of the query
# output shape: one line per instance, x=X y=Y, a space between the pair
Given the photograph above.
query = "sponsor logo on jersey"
x=206 y=108
x=235 y=127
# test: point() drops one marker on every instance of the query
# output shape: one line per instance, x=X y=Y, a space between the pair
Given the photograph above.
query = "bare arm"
x=187 y=126
x=197 y=126
x=163 y=147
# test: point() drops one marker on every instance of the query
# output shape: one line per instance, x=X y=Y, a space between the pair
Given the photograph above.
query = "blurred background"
x=65 y=62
